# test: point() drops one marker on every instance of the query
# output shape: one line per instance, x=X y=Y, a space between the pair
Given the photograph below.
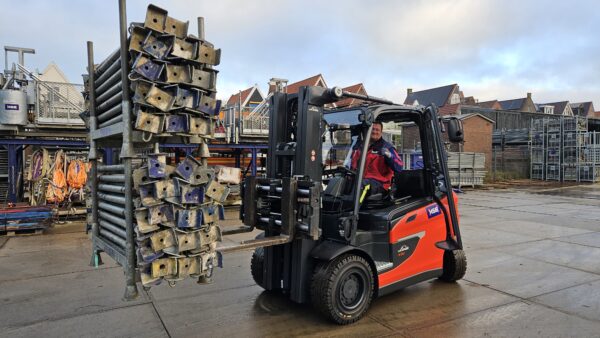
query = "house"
x=524 y=104
x=583 y=109
x=247 y=98
x=493 y=104
x=358 y=88
x=59 y=101
x=439 y=96
x=558 y=108
x=316 y=80
x=477 y=137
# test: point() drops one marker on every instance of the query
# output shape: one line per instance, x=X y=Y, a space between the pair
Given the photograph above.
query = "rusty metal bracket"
x=141 y=89
x=164 y=267
x=176 y=27
x=183 y=49
x=202 y=126
x=156 y=18
x=187 y=98
x=161 y=99
x=137 y=38
x=141 y=218
x=204 y=79
x=187 y=167
x=139 y=175
x=189 y=218
x=178 y=74
x=207 y=54
x=202 y=175
x=208 y=105
x=217 y=191
x=156 y=165
x=147 y=68
x=159 y=48
x=177 y=123
x=152 y=123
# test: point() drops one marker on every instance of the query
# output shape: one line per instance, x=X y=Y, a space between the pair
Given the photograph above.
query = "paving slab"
x=134 y=321
x=589 y=239
x=567 y=254
x=582 y=300
x=25 y=244
x=534 y=229
x=26 y=302
x=48 y=263
x=517 y=319
x=253 y=312
x=519 y=276
x=434 y=301
x=480 y=238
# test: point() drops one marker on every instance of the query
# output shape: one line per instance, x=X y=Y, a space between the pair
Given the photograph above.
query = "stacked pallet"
x=24 y=220
x=466 y=168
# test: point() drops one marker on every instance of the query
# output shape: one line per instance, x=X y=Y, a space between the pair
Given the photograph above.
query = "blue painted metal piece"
x=192 y=195
x=177 y=124
x=187 y=167
x=189 y=218
x=157 y=165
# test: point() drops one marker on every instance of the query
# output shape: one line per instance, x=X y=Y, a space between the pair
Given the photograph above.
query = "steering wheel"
x=341 y=169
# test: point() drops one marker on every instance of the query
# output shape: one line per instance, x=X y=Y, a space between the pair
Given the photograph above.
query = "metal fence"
x=59 y=103
x=512 y=162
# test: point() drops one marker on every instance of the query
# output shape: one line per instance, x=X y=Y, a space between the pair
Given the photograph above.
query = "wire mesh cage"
x=553 y=172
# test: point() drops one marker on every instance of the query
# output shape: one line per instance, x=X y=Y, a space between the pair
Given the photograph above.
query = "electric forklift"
x=326 y=239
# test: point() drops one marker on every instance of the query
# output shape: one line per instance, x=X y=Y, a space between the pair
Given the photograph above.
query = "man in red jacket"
x=381 y=163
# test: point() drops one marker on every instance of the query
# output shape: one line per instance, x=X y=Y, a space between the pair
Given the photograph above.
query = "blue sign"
x=433 y=210
x=11 y=106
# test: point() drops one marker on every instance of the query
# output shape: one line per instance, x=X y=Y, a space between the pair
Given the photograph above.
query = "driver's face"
x=375 y=133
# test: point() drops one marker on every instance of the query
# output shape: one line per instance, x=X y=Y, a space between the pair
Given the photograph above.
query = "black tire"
x=455 y=265
x=257 y=264
x=342 y=289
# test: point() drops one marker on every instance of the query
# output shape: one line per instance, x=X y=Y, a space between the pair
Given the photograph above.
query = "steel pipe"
x=110 y=92
x=114 y=219
x=114 y=67
x=112 y=188
x=93 y=155
x=115 y=229
x=112 y=178
x=115 y=209
x=110 y=103
x=113 y=238
x=112 y=198
x=107 y=62
x=112 y=121
x=114 y=78
x=110 y=168
x=109 y=113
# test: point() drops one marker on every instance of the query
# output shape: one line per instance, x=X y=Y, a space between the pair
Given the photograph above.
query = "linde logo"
x=433 y=210
x=11 y=106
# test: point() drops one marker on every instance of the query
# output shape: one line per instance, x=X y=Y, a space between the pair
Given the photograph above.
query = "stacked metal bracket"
x=159 y=221
x=172 y=78
x=178 y=208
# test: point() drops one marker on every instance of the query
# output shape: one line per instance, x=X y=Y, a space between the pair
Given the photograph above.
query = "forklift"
x=326 y=240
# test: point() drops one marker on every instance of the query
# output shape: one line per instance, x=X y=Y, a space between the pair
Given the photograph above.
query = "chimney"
x=529 y=96
x=408 y=91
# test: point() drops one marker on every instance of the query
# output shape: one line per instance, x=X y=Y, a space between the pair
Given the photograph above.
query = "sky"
x=494 y=49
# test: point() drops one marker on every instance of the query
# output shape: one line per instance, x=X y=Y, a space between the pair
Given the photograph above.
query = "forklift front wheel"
x=455 y=265
x=342 y=289
x=257 y=264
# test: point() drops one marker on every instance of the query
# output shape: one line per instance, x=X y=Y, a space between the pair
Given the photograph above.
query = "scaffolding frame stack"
x=589 y=167
x=538 y=145
x=553 y=149
x=562 y=149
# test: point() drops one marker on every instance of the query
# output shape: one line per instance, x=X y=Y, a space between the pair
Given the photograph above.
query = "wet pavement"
x=533 y=270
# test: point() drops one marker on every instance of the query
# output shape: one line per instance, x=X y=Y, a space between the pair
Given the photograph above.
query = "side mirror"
x=455 y=130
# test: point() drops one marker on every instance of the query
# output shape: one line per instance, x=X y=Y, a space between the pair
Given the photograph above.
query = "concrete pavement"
x=532 y=271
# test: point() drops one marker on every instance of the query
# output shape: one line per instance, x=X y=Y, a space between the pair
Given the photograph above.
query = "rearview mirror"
x=455 y=130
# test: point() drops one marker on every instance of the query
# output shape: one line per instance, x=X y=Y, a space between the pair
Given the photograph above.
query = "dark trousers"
x=376 y=187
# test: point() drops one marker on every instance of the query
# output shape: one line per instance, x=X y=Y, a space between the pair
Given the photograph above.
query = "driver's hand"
x=387 y=153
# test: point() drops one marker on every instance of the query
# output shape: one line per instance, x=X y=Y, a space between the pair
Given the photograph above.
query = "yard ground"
x=533 y=270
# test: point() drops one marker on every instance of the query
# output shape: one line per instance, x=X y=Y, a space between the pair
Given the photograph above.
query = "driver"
x=381 y=162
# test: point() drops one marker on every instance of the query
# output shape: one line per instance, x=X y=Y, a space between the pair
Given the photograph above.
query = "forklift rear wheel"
x=342 y=289
x=455 y=265
x=256 y=266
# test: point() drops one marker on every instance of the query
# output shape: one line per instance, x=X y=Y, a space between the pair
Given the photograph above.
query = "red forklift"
x=326 y=240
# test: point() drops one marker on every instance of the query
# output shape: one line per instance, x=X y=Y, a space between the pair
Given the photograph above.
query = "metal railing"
x=59 y=103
